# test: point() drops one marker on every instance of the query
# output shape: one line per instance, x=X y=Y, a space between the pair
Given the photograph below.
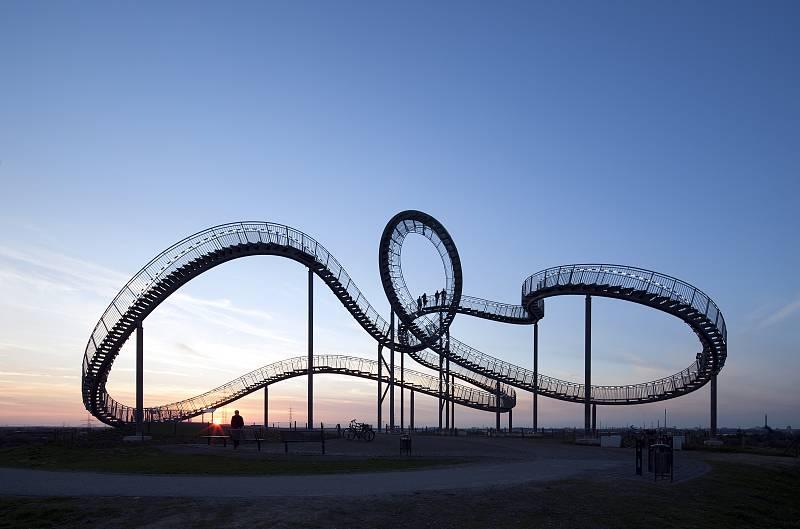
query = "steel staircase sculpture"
x=420 y=334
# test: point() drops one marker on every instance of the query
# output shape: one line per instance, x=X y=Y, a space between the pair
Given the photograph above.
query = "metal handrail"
x=298 y=366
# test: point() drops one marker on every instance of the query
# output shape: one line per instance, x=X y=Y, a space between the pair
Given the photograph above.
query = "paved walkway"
x=499 y=462
x=25 y=482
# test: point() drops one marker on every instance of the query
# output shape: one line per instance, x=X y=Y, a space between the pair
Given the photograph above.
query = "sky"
x=663 y=135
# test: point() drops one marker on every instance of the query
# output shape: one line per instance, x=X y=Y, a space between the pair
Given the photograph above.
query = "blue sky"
x=662 y=135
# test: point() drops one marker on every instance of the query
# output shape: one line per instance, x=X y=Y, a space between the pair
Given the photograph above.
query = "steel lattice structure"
x=423 y=332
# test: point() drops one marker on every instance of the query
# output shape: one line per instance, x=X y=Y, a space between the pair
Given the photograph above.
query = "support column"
x=391 y=378
x=535 y=377
x=441 y=361
x=402 y=392
x=266 y=407
x=452 y=403
x=594 y=419
x=447 y=393
x=510 y=419
x=412 y=410
x=402 y=382
x=139 y=380
x=380 y=388
x=497 y=408
x=587 y=393
x=714 y=406
x=310 y=349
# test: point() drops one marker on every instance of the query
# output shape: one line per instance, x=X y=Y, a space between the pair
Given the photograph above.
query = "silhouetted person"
x=444 y=296
x=424 y=300
x=419 y=303
x=237 y=423
x=436 y=298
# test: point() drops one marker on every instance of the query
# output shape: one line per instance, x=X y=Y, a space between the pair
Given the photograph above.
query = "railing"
x=210 y=241
x=254 y=380
x=477 y=307
x=623 y=276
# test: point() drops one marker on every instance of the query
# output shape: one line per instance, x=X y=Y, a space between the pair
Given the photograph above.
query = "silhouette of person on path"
x=436 y=298
x=419 y=303
x=444 y=296
x=424 y=300
x=237 y=423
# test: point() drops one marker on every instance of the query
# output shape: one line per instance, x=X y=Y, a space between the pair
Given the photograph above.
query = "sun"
x=217 y=421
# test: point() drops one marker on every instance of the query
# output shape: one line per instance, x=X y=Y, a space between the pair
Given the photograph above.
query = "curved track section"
x=424 y=329
x=652 y=289
x=296 y=367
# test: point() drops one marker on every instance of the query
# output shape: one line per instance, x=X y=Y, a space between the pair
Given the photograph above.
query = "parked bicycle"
x=359 y=431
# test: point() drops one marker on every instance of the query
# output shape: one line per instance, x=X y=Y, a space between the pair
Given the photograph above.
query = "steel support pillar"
x=594 y=418
x=441 y=402
x=535 y=376
x=402 y=382
x=447 y=393
x=714 y=406
x=266 y=406
x=411 y=416
x=391 y=377
x=587 y=391
x=140 y=380
x=497 y=408
x=380 y=392
x=510 y=419
x=310 y=349
x=452 y=403
x=441 y=362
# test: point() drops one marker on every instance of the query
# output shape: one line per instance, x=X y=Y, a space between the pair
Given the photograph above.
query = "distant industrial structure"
x=418 y=327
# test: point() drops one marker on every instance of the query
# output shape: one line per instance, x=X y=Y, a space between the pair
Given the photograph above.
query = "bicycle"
x=359 y=431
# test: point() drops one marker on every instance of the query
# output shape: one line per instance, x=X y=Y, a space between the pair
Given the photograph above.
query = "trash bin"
x=662 y=461
x=405 y=444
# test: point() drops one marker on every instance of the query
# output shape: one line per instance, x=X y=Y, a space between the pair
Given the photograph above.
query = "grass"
x=152 y=460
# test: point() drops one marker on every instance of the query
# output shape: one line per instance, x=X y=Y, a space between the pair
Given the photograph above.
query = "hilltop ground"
x=448 y=482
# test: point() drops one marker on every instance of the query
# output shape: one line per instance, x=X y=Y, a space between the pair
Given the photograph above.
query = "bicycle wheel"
x=349 y=434
x=369 y=435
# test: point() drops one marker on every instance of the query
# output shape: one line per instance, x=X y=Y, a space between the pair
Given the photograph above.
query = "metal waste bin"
x=662 y=457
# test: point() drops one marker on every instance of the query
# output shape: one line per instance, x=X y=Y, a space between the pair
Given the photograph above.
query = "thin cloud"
x=37 y=375
x=780 y=314
x=46 y=269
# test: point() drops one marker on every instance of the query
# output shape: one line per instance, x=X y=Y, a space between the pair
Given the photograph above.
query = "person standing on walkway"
x=419 y=303
x=237 y=423
x=424 y=299
x=436 y=298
